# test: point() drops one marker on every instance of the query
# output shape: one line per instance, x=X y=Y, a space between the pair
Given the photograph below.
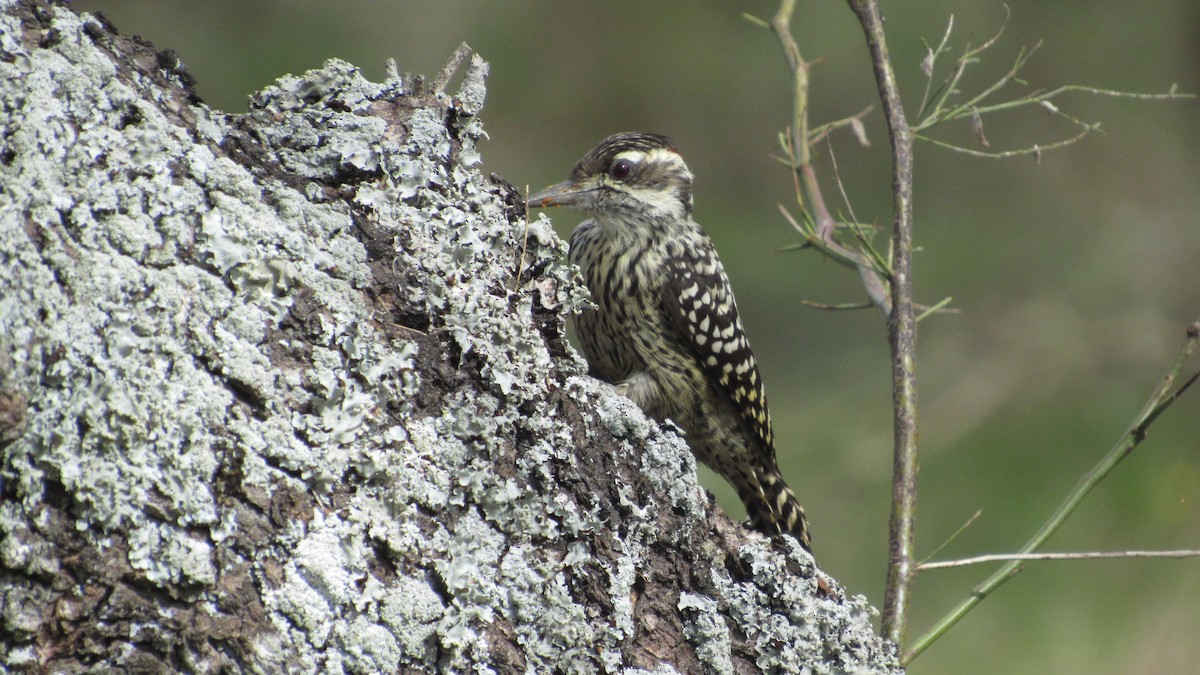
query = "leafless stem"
x=524 y=245
x=797 y=144
x=1085 y=555
x=962 y=528
x=1035 y=150
x=822 y=132
x=938 y=107
x=456 y=59
x=902 y=332
x=834 y=308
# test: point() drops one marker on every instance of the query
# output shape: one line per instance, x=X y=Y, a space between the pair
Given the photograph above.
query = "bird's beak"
x=566 y=193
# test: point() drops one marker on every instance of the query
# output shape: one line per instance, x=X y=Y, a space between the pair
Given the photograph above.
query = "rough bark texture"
x=289 y=391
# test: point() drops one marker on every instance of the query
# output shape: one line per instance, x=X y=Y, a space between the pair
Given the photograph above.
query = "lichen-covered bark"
x=288 y=391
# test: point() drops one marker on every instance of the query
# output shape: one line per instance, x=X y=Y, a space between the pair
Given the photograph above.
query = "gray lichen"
x=289 y=391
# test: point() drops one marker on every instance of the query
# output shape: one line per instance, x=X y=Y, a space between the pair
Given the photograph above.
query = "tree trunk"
x=289 y=391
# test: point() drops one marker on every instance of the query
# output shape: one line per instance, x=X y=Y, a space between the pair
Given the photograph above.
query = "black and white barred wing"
x=699 y=303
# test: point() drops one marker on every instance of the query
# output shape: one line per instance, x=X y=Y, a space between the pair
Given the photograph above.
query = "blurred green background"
x=1075 y=275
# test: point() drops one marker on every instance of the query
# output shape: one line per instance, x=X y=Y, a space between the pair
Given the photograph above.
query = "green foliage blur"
x=1076 y=275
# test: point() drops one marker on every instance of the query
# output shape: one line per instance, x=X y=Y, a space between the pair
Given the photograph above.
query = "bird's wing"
x=698 y=302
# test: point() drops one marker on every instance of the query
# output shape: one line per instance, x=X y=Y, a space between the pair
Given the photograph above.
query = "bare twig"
x=408 y=329
x=1164 y=395
x=972 y=105
x=837 y=179
x=456 y=59
x=822 y=132
x=797 y=148
x=1035 y=150
x=936 y=107
x=930 y=62
x=936 y=309
x=835 y=251
x=957 y=533
x=1041 y=97
x=902 y=332
x=524 y=244
x=1085 y=555
x=781 y=24
x=950 y=85
x=829 y=307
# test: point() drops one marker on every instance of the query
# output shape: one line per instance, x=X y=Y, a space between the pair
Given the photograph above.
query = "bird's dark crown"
x=601 y=157
x=637 y=166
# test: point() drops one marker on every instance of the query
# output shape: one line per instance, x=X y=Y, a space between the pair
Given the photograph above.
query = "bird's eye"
x=621 y=169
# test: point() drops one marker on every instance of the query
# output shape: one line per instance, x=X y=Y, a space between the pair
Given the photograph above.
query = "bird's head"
x=629 y=175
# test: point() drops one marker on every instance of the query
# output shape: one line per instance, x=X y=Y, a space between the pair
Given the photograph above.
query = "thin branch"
x=439 y=83
x=822 y=132
x=936 y=109
x=1086 y=555
x=524 y=244
x=881 y=267
x=796 y=145
x=408 y=329
x=930 y=62
x=781 y=25
x=939 y=308
x=1041 y=97
x=957 y=533
x=837 y=179
x=834 y=308
x=832 y=249
x=950 y=85
x=902 y=332
x=971 y=106
x=1035 y=150
x=1164 y=395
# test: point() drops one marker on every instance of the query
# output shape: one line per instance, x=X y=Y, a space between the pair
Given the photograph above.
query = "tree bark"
x=289 y=391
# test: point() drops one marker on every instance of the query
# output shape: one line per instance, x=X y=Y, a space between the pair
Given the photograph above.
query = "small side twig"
x=939 y=106
x=957 y=533
x=821 y=133
x=837 y=307
x=461 y=53
x=1084 y=555
x=524 y=245
x=797 y=144
x=1035 y=150
x=930 y=62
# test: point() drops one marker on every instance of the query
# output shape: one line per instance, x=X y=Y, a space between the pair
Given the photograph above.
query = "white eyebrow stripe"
x=656 y=155
x=635 y=156
x=662 y=155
